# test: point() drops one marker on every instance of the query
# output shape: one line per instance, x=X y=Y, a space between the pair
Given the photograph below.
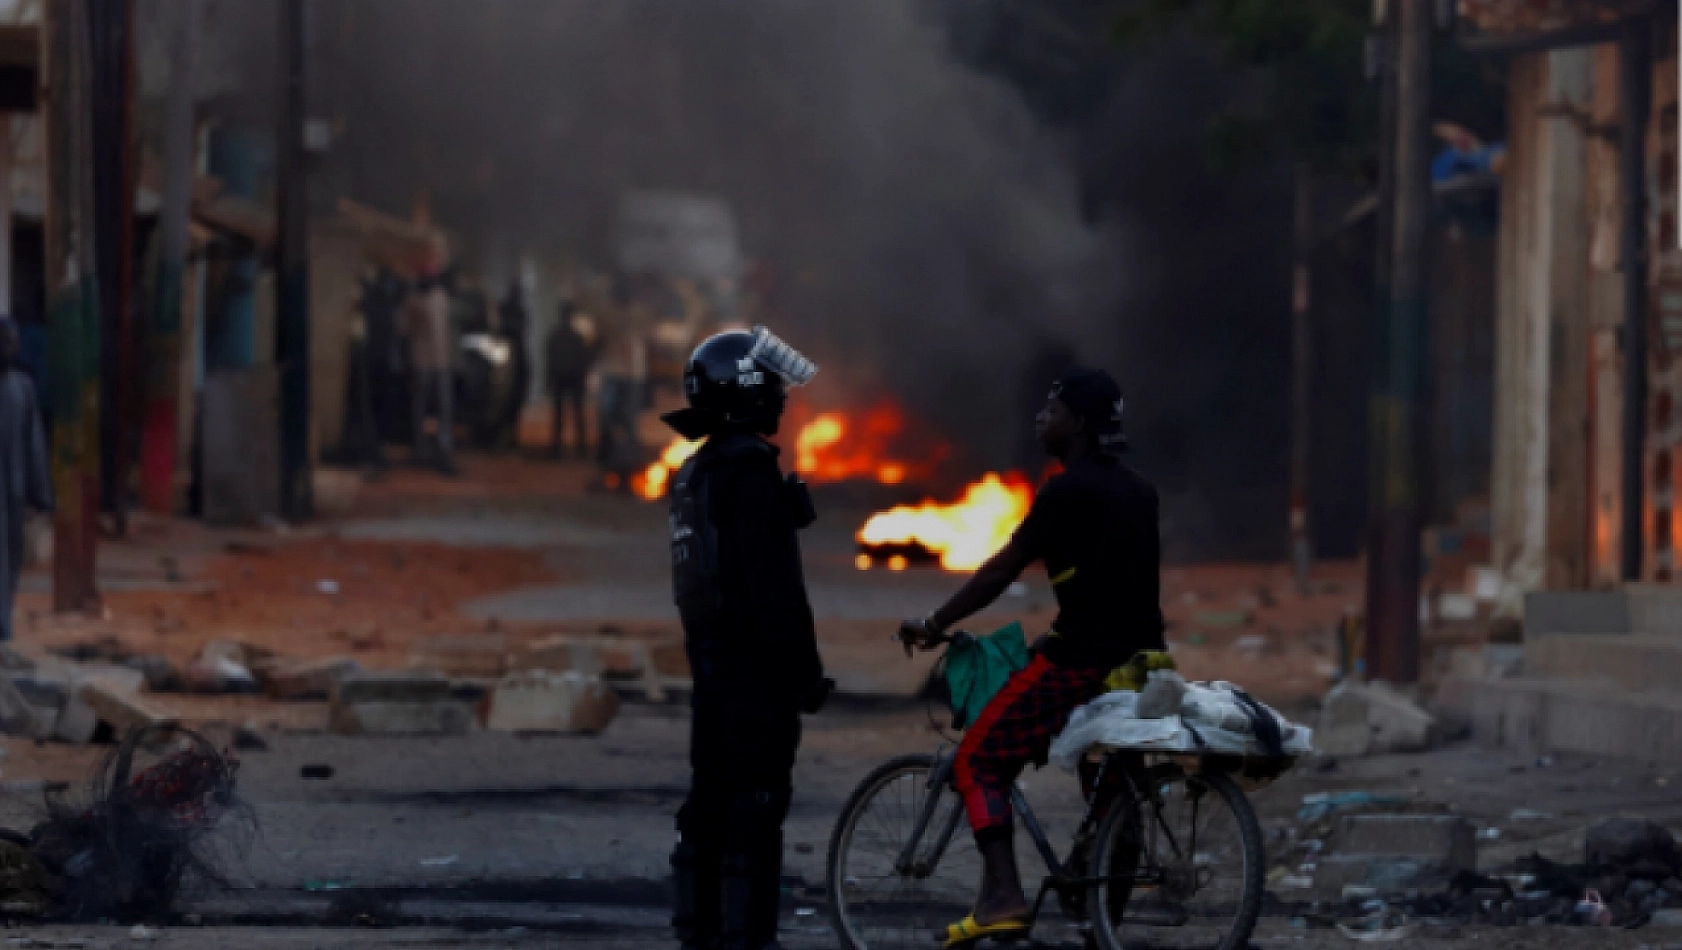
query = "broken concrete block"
x=17 y=716
x=1393 y=853
x=561 y=654
x=1371 y=719
x=121 y=708
x=416 y=686
x=377 y=717
x=217 y=676
x=403 y=703
x=483 y=656
x=542 y=701
x=306 y=679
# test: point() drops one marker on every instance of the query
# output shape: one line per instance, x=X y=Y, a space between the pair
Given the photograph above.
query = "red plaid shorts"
x=1014 y=729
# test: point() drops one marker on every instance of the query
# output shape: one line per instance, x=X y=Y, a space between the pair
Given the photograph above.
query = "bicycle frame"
x=940 y=777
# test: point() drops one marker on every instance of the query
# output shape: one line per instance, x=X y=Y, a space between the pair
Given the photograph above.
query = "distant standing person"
x=512 y=319
x=568 y=360
x=620 y=399
x=24 y=475
x=431 y=384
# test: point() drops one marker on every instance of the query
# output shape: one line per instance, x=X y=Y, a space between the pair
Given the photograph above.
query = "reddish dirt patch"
x=314 y=597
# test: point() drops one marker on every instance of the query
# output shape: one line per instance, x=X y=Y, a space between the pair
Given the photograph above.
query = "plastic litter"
x=440 y=862
x=1593 y=911
x=1322 y=804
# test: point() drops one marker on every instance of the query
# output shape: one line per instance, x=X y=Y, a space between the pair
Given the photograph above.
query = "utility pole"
x=1635 y=77
x=1398 y=417
x=1302 y=375
x=292 y=283
x=111 y=121
x=72 y=304
x=159 y=435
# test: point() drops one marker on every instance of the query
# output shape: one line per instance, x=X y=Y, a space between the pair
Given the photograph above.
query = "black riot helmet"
x=738 y=378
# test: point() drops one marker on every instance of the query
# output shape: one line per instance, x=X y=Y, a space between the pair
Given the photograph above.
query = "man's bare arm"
x=984 y=587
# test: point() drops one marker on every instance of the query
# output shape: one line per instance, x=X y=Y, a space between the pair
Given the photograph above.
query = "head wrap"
x=1093 y=396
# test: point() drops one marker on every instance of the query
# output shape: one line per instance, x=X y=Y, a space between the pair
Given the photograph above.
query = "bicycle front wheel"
x=1180 y=870
x=886 y=892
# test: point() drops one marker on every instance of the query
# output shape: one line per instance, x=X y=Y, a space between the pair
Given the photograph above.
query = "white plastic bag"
x=1205 y=724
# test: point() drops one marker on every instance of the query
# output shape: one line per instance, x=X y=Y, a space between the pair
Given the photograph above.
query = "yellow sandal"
x=967 y=931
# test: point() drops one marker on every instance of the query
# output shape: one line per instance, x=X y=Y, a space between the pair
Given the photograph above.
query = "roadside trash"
x=1383 y=926
x=1359 y=892
x=316 y=771
x=1593 y=911
x=441 y=862
x=1361 y=718
x=247 y=739
x=1323 y=804
x=327 y=587
x=143 y=932
x=1637 y=847
x=1489 y=834
x=165 y=793
x=804 y=912
x=325 y=885
x=1299 y=882
x=1527 y=814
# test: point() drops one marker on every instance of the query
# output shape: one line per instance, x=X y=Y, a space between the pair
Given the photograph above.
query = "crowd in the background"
x=435 y=364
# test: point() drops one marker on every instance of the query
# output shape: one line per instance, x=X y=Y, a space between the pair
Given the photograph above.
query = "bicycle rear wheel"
x=1182 y=870
x=879 y=902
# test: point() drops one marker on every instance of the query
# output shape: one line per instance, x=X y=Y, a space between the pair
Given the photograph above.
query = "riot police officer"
x=749 y=634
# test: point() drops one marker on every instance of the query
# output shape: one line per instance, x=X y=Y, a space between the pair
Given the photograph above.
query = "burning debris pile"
x=961 y=535
x=830 y=446
x=139 y=835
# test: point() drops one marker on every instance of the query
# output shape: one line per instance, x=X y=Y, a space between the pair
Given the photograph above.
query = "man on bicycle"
x=1094 y=526
x=749 y=634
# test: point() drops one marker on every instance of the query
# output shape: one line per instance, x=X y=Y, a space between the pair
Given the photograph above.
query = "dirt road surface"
x=496 y=839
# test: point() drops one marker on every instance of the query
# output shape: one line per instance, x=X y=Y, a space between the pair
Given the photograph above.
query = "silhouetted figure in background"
x=25 y=479
x=431 y=382
x=568 y=360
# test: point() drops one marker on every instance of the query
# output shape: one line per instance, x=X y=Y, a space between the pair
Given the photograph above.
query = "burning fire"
x=828 y=447
x=650 y=484
x=836 y=447
x=962 y=534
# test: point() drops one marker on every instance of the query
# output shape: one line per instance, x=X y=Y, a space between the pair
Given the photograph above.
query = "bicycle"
x=894 y=880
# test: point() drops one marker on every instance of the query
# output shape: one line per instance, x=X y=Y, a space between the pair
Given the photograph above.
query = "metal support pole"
x=1398 y=419
x=1635 y=77
x=1302 y=376
x=163 y=385
x=292 y=284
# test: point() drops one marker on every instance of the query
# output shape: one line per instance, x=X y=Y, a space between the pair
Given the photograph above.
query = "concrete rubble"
x=400 y=703
x=1371 y=719
x=543 y=701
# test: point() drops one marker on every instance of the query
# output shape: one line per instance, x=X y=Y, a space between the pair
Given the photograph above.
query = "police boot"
x=698 y=900
x=752 y=893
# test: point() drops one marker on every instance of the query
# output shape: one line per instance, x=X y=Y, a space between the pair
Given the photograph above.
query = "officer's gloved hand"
x=816 y=695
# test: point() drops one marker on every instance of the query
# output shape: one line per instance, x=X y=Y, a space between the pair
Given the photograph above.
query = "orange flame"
x=963 y=534
x=838 y=446
x=831 y=446
x=650 y=484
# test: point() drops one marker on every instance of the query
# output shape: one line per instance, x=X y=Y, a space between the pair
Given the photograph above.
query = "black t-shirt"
x=1095 y=527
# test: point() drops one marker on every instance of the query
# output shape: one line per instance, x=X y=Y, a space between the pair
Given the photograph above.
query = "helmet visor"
x=787 y=362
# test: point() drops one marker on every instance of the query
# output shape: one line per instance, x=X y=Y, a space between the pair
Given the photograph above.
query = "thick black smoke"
x=932 y=228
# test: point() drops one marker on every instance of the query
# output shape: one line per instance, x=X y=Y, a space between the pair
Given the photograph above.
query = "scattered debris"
x=124 y=851
x=248 y=739
x=305 y=679
x=411 y=703
x=143 y=932
x=316 y=771
x=440 y=862
x=1323 y=804
x=481 y=656
x=1371 y=719
x=1383 y=926
x=540 y=701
